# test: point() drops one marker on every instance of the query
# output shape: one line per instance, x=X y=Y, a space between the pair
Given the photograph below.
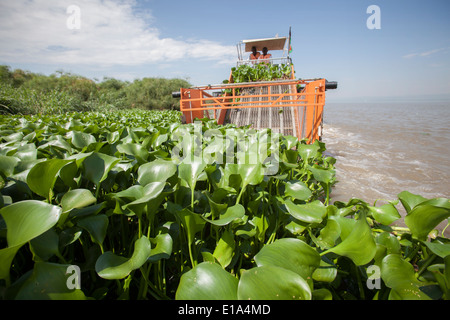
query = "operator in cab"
x=255 y=54
x=265 y=56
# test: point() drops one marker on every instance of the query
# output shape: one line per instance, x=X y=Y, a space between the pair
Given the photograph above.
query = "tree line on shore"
x=24 y=92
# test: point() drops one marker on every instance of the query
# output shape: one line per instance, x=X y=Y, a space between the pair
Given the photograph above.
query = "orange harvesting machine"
x=285 y=104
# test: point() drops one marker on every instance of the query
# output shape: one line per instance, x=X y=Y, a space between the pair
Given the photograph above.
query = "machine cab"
x=277 y=47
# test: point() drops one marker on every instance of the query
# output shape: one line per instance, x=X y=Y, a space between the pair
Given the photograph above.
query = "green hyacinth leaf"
x=272 y=283
x=297 y=190
x=312 y=212
x=399 y=275
x=308 y=151
x=97 y=166
x=359 y=245
x=425 y=216
x=28 y=219
x=231 y=213
x=190 y=172
x=135 y=150
x=385 y=214
x=111 y=266
x=25 y=220
x=162 y=249
x=207 y=281
x=225 y=247
x=51 y=281
x=81 y=140
x=96 y=226
x=410 y=200
x=42 y=176
x=289 y=253
x=156 y=171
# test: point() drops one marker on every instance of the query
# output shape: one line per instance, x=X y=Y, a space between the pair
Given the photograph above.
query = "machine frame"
x=303 y=99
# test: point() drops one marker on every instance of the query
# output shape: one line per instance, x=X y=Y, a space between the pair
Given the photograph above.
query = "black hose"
x=330 y=85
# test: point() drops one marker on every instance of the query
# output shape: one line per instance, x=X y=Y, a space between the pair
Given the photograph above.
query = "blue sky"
x=127 y=39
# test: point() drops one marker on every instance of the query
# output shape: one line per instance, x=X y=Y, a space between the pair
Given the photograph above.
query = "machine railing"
x=279 y=61
x=293 y=107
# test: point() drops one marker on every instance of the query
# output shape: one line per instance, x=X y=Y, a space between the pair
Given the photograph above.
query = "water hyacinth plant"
x=145 y=214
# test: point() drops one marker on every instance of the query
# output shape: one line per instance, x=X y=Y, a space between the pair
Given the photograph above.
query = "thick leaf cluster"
x=261 y=72
x=116 y=196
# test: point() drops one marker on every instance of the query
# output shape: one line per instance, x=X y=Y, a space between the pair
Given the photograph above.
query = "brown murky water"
x=383 y=149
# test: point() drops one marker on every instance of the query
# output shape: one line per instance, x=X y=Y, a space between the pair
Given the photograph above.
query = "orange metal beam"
x=223 y=113
x=314 y=108
x=202 y=105
x=195 y=101
x=189 y=104
x=320 y=99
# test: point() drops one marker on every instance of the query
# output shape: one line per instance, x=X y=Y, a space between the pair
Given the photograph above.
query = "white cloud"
x=422 y=54
x=110 y=33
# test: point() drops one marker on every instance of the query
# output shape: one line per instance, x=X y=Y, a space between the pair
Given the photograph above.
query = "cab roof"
x=277 y=43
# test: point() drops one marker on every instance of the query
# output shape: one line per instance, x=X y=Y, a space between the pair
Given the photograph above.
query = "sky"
x=399 y=51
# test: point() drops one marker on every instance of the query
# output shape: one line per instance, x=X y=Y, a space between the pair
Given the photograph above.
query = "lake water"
x=385 y=148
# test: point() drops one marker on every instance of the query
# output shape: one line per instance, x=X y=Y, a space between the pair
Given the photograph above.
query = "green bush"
x=29 y=93
x=154 y=93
